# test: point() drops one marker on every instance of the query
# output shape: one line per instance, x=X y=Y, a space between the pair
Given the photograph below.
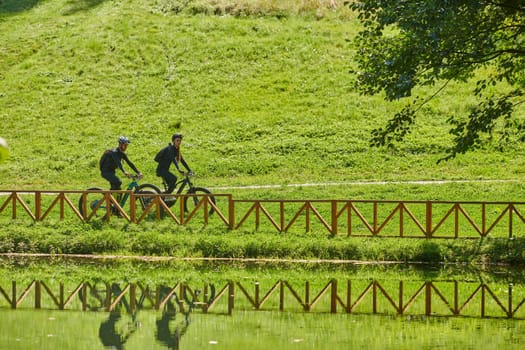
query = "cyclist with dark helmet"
x=112 y=159
x=171 y=154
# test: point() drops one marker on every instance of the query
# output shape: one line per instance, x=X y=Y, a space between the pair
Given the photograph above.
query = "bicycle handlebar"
x=187 y=174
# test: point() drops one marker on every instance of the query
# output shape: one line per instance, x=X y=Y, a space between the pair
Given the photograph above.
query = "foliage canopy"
x=409 y=44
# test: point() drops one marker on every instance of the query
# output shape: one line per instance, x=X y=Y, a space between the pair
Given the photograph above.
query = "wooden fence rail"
x=364 y=218
x=430 y=298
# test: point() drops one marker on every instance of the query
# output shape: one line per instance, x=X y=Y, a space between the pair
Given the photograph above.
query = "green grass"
x=214 y=242
x=261 y=99
x=262 y=91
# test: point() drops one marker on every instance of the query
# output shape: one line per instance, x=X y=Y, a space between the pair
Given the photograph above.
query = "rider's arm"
x=131 y=165
x=185 y=164
x=177 y=166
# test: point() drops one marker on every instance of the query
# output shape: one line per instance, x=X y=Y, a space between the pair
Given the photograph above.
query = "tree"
x=409 y=43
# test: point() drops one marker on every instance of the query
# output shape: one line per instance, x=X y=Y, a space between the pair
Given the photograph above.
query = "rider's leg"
x=115 y=184
x=113 y=179
x=170 y=180
x=171 y=183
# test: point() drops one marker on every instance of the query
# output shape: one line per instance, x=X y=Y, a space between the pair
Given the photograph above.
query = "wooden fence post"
x=281 y=216
x=511 y=209
x=38 y=205
x=257 y=291
x=157 y=297
x=400 y=305
x=133 y=207
x=257 y=215
x=375 y=219
x=428 y=213
x=334 y=217
x=61 y=302
x=133 y=297
x=307 y=296
x=374 y=297
x=231 y=212
x=349 y=296
x=107 y=302
x=38 y=295
x=333 y=297
x=483 y=300
x=281 y=295
x=84 y=296
x=14 y=196
x=510 y=312
x=428 y=298
x=231 y=297
x=13 y=295
x=456 y=298
x=483 y=219
x=456 y=220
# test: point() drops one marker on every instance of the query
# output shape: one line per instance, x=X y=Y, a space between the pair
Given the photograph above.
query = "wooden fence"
x=430 y=298
x=365 y=218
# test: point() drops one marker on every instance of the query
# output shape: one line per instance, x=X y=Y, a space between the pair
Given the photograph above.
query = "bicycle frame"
x=132 y=185
x=120 y=199
x=192 y=196
x=91 y=201
x=183 y=183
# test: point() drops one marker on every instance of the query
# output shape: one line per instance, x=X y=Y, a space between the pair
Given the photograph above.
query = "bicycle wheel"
x=92 y=200
x=147 y=189
x=190 y=202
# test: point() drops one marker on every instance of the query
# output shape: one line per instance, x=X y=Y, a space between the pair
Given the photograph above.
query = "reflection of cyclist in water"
x=112 y=337
x=164 y=334
x=109 y=335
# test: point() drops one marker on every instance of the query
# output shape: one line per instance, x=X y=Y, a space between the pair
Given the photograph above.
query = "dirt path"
x=363 y=183
x=193 y=259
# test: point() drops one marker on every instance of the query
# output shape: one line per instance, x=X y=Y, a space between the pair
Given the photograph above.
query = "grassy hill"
x=264 y=94
x=262 y=91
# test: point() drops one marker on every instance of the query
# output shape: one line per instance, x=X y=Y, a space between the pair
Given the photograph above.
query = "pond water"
x=127 y=304
x=44 y=329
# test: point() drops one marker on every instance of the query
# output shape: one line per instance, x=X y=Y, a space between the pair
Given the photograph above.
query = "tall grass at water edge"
x=215 y=242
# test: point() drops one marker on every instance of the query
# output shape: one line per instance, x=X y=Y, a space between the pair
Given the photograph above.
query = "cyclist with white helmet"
x=112 y=159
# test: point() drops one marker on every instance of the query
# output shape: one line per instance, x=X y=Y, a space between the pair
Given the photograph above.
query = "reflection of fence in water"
x=431 y=298
x=417 y=219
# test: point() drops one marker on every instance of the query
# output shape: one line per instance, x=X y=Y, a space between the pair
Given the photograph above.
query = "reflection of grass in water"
x=265 y=330
x=96 y=272
x=273 y=330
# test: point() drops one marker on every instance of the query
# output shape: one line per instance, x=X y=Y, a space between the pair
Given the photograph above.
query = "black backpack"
x=105 y=156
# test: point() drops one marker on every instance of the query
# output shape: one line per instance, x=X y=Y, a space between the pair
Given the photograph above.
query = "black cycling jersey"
x=113 y=160
x=166 y=156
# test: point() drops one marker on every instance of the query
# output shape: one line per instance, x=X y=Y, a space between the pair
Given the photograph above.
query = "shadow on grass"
x=15 y=6
x=73 y=6
x=81 y=5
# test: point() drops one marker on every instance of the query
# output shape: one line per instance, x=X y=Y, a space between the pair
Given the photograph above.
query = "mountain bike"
x=193 y=196
x=95 y=200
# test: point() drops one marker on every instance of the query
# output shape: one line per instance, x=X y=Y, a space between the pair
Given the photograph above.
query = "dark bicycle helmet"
x=123 y=139
x=176 y=136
